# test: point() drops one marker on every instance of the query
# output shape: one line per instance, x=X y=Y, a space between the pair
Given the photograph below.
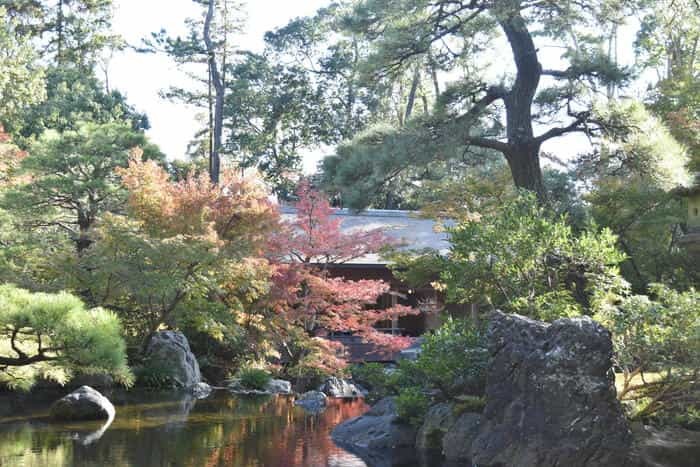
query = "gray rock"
x=377 y=430
x=550 y=396
x=278 y=386
x=235 y=386
x=201 y=390
x=670 y=447
x=312 y=401
x=457 y=442
x=336 y=387
x=171 y=351
x=436 y=423
x=84 y=403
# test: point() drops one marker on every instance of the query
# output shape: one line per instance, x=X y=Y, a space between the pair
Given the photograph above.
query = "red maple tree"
x=307 y=296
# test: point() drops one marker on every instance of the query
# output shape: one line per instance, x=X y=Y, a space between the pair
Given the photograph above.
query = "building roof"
x=410 y=231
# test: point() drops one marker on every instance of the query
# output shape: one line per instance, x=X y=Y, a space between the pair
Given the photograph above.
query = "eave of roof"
x=405 y=227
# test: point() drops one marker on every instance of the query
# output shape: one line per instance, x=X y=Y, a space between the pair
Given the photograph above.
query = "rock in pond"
x=550 y=396
x=85 y=403
x=278 y=386
x=274 y=386
x=312 y=401
x=377 y=430
x=201 y=390
x=337 y=387
x=170 y=350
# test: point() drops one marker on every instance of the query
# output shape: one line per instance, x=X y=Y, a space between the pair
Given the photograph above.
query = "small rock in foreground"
x=85 y=403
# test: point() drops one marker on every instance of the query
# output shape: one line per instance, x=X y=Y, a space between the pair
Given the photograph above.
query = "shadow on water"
x=152 y=429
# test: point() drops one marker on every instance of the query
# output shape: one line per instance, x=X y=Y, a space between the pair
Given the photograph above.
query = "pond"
x=152 y=429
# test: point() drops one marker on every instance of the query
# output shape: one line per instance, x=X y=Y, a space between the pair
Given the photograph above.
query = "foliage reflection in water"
x=160 y=430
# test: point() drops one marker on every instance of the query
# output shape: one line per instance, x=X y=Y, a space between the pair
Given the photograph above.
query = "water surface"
x=152 y=429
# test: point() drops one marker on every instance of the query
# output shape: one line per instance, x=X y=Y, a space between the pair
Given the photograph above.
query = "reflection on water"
x=162 y=430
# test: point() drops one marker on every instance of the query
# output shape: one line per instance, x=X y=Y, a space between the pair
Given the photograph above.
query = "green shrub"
x=453 y=360
x=151 y=376
x=254 y=378
x=469 y=404
x=55 y=336
x=656 y=339
x=411 y=405
x=376 y=378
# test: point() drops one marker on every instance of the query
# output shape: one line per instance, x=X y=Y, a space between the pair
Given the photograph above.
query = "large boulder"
x=457 y=442
x=435 y=424
x=337 y=387
x=170 y=351
x=550 y=396
x=85 y=403
x=377 y=431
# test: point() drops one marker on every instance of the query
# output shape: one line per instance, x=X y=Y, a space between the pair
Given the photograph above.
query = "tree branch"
x=574 y=126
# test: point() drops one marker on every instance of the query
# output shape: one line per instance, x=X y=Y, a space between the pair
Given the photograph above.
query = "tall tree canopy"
x=513 y=115
x=209 y=42
x=66 y=31
x=21 y=78
x=71 y=181
x=668 y=42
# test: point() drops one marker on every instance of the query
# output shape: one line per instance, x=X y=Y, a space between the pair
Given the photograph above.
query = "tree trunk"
x=59 y=32
x=523 y=152
x=524 y=163
x=83 y=241
x=412 y=93
x=433 y=74
x=214 y=158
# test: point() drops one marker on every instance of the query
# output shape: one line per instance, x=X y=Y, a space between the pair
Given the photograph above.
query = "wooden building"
x=410 y=232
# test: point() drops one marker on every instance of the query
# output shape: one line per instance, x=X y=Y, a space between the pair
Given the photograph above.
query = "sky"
x=142 y=76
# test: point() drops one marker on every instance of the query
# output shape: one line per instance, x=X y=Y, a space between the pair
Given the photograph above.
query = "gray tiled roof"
x=412 y=232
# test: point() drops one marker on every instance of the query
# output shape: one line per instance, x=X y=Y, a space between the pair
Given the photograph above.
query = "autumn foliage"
x=185 y=251
x=307 y=295
x=235 y=209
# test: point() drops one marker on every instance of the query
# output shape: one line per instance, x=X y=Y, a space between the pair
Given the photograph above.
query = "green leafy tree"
x=667 y=43
x=71 y=179
x=632 y=178
x=327 y=55
x=72 y=97
x=21 y=78
x=657 y=347
x=272 y=112
x=522 y=259
x=66 y=31
x=54 y=336
x=471 y=113
x=22 y=251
